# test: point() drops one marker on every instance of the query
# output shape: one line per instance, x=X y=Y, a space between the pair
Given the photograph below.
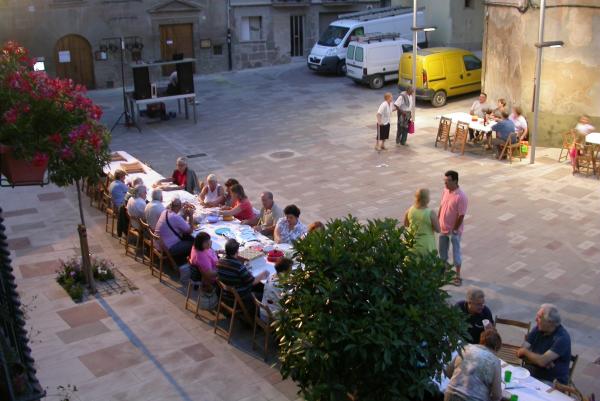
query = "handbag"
x=411 y=127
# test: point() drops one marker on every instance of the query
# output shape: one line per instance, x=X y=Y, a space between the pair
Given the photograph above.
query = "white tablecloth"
x=467 y=118
x=594 y=138
x=150 y=176
x=529 y=389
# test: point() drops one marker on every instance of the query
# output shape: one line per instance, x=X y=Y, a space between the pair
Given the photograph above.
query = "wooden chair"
x=160 y=252
x=586 y=160
x=136 y=233
x=237 y=310
x=460 y=137
x=443 y=134
x=567 y=142
x=109 y=210
x=147 y=243
x=572 y=391
x=196 y=285
x=508 y=351
x=509 y=147
x=573 y=364
x=266 y=326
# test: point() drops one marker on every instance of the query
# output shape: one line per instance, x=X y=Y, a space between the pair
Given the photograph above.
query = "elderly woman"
x=520 y=123
x=212 y=194
x=289 y=228
x=475 y=373
x=183 y=177
x=422 y=222
x=241 y=207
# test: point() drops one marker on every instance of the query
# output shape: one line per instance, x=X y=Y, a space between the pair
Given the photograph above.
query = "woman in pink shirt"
x=241 y=208
x=203 y=260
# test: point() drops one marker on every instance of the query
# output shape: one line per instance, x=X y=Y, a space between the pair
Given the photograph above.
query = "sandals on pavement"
x=457 y=281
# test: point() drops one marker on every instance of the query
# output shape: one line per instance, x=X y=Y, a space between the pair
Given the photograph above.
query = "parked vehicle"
x=441 y=72
x=329 y=53
x=374 y=59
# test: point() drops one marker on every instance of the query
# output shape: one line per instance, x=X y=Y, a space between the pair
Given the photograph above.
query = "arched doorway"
x=73 y=57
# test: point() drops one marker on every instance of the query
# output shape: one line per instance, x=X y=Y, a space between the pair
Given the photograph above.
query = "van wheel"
x=376 y=82
x=341 y=69
x=439 y=99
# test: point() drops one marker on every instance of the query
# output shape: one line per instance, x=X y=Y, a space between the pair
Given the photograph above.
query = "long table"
x=529 y=389
x=150 y=176
x=478 y=125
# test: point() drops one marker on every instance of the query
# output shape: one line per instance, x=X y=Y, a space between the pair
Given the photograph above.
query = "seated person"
x=172 y=87
x=212 y=194
x=289 y=228
x=476 y=312
x=204 y=261
x=479 y=106
x=273 y=291
x=118 y=189
x=228 y=184
x=315 y=226
x=503 y=129
x=269 y=214
x=241 y=207
x=175 y=232
x=184 y=177
x=500 y=108
x=476 y=373
x=131 y=191
x=154 y=209
x=136 y=206
x=520 y=123
x=583 y=125
x=232 y=272
x=547 y=348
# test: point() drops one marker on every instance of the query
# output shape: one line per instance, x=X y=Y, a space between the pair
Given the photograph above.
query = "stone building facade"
x=79 y=39
x=459 y=23
x=570 y=79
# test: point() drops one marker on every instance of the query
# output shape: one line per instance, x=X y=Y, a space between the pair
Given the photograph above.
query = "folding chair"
x=159 y=251
x=508 y=352
x=443 y=134
x=509 y=147
x=460 y=137
x=266 y=326
x=568 y=138
x=135 y=233
x=110 y=212
x=237 y=310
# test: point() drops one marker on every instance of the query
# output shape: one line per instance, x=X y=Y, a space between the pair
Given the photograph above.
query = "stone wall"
x=570 y=80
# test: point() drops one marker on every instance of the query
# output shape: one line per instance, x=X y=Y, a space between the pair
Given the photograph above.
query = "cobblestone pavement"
x=532 y=232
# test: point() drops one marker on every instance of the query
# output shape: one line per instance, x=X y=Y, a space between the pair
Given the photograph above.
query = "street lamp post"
x=537 y=79
x=415 y=30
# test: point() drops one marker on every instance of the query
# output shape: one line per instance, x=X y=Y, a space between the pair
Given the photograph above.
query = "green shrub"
x=76 y=292
x=364 y=317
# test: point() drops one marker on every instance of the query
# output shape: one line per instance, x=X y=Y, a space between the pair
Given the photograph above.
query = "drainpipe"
x=229 y=57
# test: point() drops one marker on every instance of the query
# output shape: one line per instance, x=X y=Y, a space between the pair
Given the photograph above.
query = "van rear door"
x=354 y=67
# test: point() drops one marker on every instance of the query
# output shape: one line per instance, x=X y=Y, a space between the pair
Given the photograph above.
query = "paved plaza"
x=532 y=232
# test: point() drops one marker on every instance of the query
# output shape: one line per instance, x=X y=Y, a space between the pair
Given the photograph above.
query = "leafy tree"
x=364 y=317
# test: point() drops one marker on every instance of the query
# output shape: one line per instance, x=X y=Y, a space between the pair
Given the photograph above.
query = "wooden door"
x=297 y=35
x=73 y=58
x=176 y=38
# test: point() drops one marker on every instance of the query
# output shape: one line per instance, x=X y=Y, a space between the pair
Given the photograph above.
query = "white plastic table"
x=594 y=138
x=467 y=118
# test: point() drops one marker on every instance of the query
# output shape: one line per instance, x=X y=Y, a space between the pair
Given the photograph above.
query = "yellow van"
x=441 y=72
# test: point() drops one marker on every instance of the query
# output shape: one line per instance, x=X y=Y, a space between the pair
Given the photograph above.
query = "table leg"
x=178 y=106
x=185 y=102
x=195 y=113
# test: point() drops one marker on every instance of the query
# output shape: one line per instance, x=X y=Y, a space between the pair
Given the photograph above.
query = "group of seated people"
x=507 y=122
x=476 y=373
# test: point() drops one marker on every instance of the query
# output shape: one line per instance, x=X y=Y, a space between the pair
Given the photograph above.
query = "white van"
x=374 y=59
x=329 y=53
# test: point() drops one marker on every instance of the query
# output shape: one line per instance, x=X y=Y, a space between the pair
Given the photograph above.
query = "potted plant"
x=49 y=122
x=364 y=317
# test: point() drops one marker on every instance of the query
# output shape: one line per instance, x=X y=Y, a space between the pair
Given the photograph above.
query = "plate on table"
x=519 y=372
x=224 y=231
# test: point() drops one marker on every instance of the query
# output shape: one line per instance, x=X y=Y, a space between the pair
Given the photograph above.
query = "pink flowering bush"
x=49 y=119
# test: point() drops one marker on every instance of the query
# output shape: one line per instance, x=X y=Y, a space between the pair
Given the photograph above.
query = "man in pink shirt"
x=453 y=208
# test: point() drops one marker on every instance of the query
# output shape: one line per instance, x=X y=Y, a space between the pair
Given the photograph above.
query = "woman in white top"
x=520 y=123
x=583 y=125
x=384 y=115
x=212 y=194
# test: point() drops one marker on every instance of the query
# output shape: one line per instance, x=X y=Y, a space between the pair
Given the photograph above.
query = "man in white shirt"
x=136 y=206
x=480 y=106
x=403 y=105
x=384 y=115
x=154 y=209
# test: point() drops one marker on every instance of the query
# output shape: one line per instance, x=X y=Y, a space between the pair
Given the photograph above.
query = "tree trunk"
x=86 y=263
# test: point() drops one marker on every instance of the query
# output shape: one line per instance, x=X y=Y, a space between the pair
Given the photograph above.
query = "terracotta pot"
x=21 y=172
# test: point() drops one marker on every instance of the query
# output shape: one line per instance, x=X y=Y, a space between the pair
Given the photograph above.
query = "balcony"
x=290 y=3
x=333 y=3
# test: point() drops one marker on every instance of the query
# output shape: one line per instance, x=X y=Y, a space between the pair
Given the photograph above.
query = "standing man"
x=384 y=115
x=547 y=348
x=403 y=105
x=451 y=214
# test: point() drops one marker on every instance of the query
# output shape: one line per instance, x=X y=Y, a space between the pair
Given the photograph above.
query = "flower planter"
x=21 y=172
